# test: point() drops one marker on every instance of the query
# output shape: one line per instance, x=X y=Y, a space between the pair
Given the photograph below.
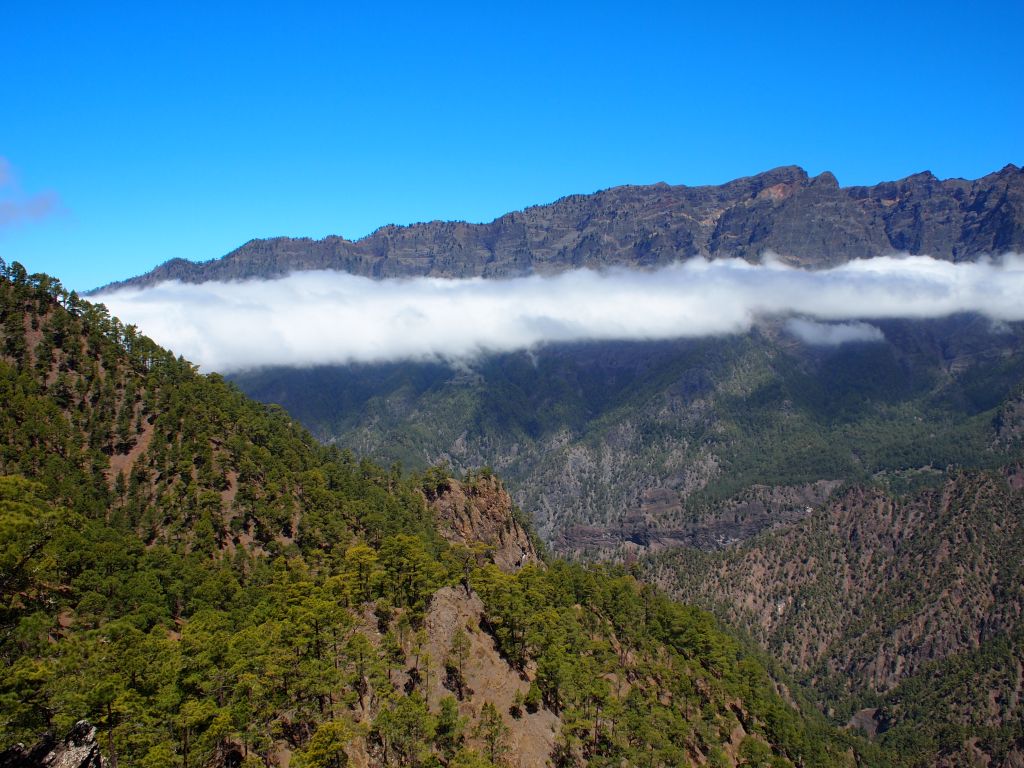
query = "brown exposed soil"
x=122 y=463
x=488 y=675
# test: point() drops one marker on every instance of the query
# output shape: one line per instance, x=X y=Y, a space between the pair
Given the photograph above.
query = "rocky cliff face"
x=77 y=750
x=487 y=677
x=481 y=511
x=809 y=221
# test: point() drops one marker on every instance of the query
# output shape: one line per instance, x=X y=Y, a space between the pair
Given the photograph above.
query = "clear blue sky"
x=139 y=132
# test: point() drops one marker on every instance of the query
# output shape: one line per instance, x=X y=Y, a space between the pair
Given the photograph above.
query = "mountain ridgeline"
x=811 y=222
x=196 y=576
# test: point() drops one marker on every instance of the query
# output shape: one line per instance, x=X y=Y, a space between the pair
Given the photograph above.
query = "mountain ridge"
x=809 y=221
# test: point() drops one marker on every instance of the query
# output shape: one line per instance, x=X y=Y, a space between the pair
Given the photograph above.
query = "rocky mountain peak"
x=479 y=510
x=826 y=179
x=784 y=174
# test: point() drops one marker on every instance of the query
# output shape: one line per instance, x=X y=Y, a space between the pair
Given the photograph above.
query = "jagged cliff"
x=808 y=221
x=481 y=511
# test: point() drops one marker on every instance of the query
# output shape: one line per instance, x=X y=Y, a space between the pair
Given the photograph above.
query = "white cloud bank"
x=322 y=317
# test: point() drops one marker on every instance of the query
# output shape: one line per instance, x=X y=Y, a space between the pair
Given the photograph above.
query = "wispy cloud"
x=832 y=334
x=322 y=317
x=17 y=206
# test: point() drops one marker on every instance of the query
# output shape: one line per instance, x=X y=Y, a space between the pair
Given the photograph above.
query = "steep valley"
x=625 y=445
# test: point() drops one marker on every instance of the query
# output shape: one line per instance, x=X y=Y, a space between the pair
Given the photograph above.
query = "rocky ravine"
x=809 y=221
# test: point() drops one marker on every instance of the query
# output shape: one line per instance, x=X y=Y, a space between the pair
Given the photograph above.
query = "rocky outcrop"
x=808 y=221
x=77 y=750
x=871 y=721
x=481 y=511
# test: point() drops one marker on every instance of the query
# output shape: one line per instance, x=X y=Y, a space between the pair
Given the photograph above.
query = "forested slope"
x=192 y=572
x=910 y=607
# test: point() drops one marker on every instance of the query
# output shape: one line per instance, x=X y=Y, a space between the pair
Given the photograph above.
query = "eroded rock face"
x=77 y=750
x=808 y=221
x=871 y=721
x=481 y=511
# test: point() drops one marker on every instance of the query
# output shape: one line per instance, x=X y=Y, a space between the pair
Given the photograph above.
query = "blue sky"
x=134 y=133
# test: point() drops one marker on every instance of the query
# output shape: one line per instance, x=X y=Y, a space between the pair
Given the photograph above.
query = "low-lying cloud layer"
x=323 y=317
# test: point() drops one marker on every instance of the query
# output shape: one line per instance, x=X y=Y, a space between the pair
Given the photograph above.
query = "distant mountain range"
x=808 y=221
